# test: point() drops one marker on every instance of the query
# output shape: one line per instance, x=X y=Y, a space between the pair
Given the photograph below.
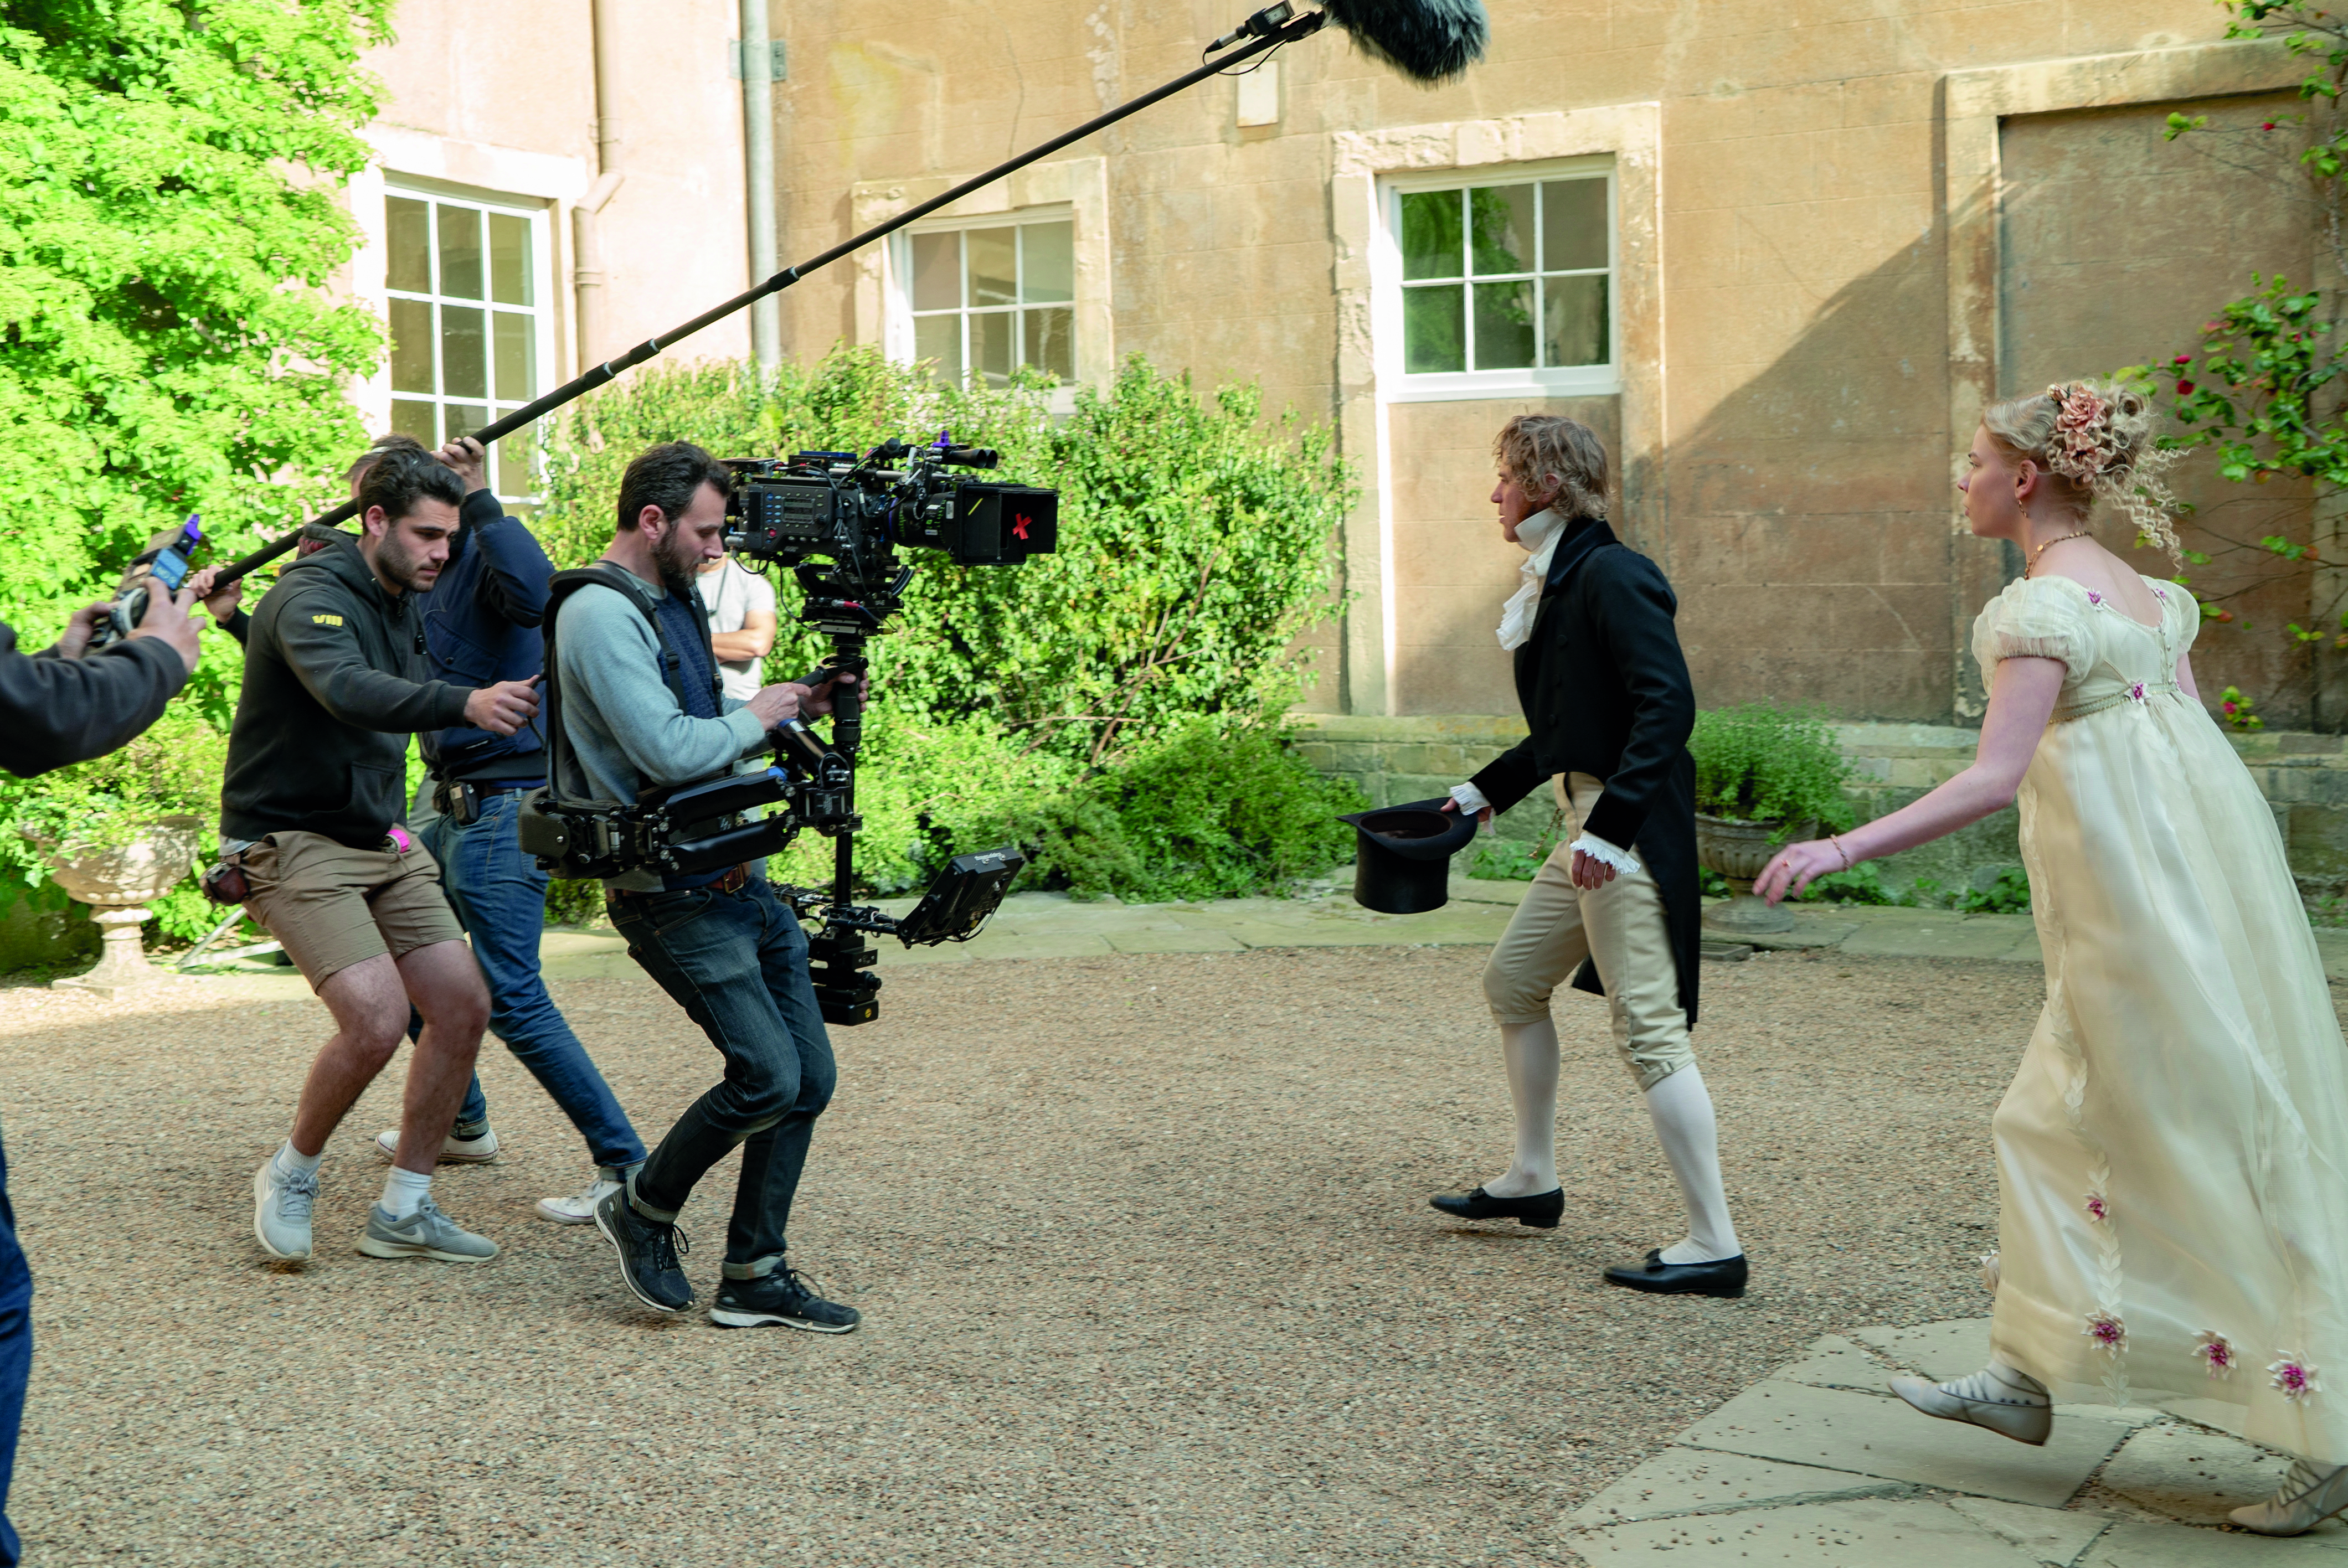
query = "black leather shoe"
x=1724 y=1278
x=1540 y=1210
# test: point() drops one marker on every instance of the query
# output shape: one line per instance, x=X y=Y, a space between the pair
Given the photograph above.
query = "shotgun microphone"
x=1430 y=41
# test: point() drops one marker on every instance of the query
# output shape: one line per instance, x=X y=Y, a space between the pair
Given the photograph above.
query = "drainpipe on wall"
x=759 y=172
x=587 y=248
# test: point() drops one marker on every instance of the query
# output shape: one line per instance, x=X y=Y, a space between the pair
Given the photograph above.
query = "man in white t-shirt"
x=741 y=623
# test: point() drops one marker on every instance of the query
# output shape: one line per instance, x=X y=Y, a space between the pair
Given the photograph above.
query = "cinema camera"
x=838 y=523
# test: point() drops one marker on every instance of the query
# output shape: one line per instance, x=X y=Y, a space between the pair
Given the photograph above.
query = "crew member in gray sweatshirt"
x=719 y=942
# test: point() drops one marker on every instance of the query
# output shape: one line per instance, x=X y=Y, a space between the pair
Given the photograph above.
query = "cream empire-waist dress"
x=2173 y=1152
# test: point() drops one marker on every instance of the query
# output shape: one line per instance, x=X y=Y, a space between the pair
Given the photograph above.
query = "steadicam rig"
x=837 y=522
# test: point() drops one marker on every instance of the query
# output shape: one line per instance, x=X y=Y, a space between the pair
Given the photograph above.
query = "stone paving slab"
x=1694 y=1481
x=1835 y=1362
x=2190 y=1473
x=2046 y=1535
x=1939 y=1351
x=1860 y=1533
x=2134 y=1543
x=1878 y=1435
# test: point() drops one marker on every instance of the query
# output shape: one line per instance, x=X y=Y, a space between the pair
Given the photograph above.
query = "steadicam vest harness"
x=676 y=830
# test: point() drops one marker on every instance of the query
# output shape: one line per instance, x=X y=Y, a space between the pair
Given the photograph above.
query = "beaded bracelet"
x=1836 y=839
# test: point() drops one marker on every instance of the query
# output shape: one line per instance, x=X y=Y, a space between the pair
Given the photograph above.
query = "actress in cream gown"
x=2172 y=1154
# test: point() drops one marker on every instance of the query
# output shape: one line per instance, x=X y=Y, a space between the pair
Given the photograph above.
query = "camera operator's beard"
x=679 y=563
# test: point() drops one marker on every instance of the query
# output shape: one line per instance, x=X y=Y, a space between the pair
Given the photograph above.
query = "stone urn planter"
x=117 y=883
x=1737 y=852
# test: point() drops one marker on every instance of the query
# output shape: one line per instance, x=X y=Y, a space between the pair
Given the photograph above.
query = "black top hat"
x=1402 y=864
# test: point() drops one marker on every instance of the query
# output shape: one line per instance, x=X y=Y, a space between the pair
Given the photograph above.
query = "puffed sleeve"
x=2184 y=612
x=2034 y=619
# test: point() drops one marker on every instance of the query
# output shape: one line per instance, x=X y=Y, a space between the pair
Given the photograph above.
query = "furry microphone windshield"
x=1430 y=41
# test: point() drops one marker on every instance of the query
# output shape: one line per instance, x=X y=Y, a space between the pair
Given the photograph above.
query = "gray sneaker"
x=280 y=1211
x=427 y=1233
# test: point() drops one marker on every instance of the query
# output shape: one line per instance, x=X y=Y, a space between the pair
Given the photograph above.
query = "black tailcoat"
x=1605 y=691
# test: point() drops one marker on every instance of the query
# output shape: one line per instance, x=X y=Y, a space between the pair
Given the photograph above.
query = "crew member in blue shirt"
x=483 y=616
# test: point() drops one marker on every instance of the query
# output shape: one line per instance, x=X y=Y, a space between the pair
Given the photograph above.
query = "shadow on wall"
x=1804 y=518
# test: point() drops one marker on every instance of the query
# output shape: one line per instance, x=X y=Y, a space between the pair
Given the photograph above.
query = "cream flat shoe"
x=2009 y=1402
x=2309 y=1494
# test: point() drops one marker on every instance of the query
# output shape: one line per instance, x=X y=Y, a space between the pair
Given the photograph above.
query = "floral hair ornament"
x=2103 y=441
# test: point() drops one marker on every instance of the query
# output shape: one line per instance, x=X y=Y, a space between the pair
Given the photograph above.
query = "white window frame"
x=547 y=371
x=897 y=288
x=1398 y=385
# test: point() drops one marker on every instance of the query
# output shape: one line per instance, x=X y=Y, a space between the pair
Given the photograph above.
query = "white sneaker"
x=579 y=1208
x=2008 y=1401
x=2309 y=1494
x=455 y=1150
x=280 y=1211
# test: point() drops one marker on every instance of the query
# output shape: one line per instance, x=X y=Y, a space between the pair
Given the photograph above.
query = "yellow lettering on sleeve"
x=326 y=620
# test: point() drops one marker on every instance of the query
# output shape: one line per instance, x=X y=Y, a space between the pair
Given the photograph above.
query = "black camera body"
x=854 y=513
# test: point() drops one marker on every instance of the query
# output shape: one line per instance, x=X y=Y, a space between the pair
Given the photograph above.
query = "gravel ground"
x=1142 y=1246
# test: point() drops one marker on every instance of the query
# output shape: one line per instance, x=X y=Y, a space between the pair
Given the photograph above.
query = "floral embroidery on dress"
x=2159 y=593
x=2097 y=1210
x=2217 y=1351
x=2108 y=1331
x=2094 y=599
x=2135 y=692
x=2293 y=1375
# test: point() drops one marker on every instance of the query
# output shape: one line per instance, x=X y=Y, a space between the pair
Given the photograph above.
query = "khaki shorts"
x=333 y=907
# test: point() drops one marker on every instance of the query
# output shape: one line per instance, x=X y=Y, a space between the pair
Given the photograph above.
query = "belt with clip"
x=733 y=881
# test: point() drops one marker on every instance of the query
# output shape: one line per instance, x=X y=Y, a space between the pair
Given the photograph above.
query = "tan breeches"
x=1620 y=926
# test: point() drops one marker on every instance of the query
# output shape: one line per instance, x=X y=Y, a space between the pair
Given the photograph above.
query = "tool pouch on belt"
x=225 y=884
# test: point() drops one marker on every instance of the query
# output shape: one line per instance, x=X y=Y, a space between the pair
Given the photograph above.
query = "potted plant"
x=1764 y=774
x=120 y=832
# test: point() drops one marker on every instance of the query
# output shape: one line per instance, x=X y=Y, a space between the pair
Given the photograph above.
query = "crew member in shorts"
x=309 y=817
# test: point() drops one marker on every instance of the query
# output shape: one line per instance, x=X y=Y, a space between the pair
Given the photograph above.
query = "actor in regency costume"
x=2173 y=1154
x=1605 y=693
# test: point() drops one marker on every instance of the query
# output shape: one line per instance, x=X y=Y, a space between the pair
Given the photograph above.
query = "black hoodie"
x=334 y=685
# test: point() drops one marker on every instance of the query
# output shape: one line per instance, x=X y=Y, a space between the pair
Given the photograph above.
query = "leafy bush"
x=1202 y=811
x=1762 y=762
x=169 y=195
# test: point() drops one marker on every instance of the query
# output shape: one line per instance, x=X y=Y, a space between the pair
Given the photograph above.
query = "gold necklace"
x=2041 y=550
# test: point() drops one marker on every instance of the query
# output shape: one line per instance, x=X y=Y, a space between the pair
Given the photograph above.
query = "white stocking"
x=1691 y=1140
x=1529 y=1050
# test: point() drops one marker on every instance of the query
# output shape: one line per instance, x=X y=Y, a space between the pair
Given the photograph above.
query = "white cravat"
x=1539 y=534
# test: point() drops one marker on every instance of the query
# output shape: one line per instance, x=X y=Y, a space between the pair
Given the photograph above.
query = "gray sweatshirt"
x=625 y=726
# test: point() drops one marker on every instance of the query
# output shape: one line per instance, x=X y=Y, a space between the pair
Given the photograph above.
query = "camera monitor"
x=959 y=902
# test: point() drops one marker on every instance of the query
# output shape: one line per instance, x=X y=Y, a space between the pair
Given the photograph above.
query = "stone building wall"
x=1839 y=232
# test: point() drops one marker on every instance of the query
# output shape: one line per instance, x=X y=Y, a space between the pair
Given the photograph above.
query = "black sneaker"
x=648 y=1253
x=782 y=1298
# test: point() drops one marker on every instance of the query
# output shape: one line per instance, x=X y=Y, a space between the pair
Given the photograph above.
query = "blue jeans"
x=15 y=1355
x=499 y=897
x=737 y=963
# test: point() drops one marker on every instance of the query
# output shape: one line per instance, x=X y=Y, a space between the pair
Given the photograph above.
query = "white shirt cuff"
x=1470 y=800
x=1597 y=848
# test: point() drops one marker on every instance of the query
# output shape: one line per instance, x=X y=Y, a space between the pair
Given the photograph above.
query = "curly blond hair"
x=1560 y=463
x=2094 y=439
